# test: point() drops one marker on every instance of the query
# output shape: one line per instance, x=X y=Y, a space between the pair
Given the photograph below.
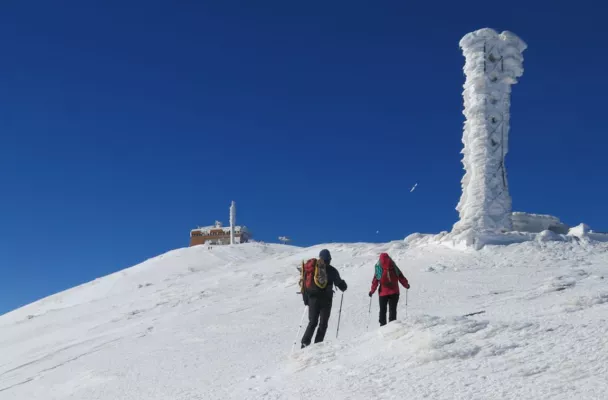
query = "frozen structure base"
x=476 y=241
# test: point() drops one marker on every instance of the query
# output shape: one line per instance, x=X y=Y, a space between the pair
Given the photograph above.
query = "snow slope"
x=219 y=324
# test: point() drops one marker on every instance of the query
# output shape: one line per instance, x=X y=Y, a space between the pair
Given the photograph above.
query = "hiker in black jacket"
x=319 y=302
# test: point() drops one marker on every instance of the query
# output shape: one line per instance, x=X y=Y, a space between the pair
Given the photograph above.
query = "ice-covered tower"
x=493 y=63
x=232 y=221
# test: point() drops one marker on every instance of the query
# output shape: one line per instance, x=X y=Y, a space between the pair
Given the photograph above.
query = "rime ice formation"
x=493 y=63
x=536 y=223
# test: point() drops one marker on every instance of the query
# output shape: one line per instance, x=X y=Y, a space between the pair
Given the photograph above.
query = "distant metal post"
x=232 y=221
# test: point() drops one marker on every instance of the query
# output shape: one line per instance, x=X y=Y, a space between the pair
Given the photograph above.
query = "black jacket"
x=333 y=278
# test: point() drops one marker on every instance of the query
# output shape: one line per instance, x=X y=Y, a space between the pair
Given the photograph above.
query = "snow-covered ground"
x=219 y=324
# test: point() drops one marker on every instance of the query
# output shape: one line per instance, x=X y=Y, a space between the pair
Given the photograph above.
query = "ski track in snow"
x=219 y=324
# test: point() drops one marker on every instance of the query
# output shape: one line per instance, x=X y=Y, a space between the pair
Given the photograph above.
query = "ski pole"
x=339 y=315
x=298 y=334
x=406 y=291
x=369 y=313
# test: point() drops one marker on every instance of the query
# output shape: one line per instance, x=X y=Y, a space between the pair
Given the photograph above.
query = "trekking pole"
x=339 y=315
x=406 y=291
x=369 y=313
x=298 y=334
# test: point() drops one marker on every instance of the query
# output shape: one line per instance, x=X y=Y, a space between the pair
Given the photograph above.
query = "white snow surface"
x=219 y=324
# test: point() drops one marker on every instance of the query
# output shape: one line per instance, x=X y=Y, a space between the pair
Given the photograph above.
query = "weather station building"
x=218 y=235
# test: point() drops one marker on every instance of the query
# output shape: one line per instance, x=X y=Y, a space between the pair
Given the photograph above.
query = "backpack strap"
x=320 y=280
x=378 y=271
x=302 y=285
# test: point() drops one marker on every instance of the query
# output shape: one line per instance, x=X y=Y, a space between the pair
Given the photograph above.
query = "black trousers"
x=391 y=300
x=319 y=310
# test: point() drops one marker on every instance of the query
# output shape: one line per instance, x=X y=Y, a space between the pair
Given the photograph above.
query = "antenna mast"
x=232 y=221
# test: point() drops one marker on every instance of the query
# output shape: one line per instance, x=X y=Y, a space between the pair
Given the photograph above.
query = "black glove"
x=344 y=286
x=408 y=286
x=371 y=294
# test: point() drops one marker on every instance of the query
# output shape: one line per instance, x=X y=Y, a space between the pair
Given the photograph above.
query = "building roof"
x=207 y=229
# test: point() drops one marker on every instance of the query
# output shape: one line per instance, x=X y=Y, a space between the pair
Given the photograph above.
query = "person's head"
x=325 y=255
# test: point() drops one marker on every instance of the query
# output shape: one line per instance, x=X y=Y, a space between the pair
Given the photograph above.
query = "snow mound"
x=209 y=324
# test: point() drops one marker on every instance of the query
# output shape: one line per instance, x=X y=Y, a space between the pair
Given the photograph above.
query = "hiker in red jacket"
x=387 y=274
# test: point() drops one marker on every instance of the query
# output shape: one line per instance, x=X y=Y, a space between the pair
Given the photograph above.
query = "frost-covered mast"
x=232 y=221
x=493 y=63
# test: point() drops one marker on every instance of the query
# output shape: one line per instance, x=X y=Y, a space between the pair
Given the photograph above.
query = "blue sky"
x=125 y=124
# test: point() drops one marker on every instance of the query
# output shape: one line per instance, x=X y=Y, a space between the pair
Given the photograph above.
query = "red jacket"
x=386 y=266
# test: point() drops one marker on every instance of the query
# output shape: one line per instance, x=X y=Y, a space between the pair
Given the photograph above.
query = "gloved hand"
x=371 y=294
x=344 y=286
x=408 y=286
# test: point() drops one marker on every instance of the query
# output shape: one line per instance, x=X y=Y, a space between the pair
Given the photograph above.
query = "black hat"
x=325 y=255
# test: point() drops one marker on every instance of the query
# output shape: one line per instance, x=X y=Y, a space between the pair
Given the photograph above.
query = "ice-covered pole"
x=232 y=221
x=493 y=63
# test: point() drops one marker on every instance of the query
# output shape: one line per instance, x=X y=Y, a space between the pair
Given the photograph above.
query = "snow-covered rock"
x=584 y=232
x=499 y=323
x=579 y=231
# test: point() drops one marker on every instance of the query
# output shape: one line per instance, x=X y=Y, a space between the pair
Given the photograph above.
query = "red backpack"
x=389 y=273
x=313 y=276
